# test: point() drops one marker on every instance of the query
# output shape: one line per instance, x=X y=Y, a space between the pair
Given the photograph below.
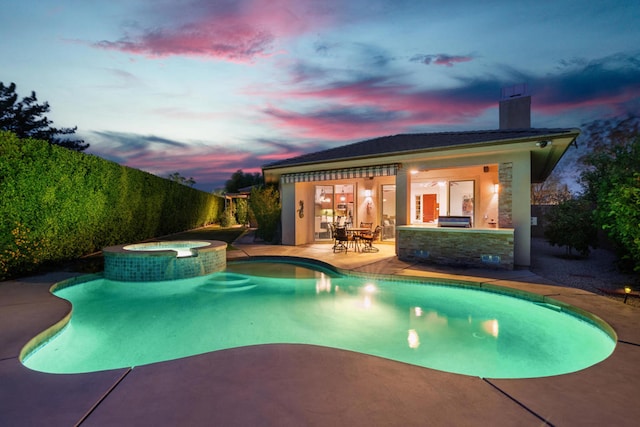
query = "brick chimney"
x=515 y=107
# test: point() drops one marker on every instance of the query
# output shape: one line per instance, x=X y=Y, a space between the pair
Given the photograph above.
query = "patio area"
x=294 y=385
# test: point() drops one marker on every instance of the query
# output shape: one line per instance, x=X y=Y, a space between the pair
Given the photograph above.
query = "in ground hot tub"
x=171 y=260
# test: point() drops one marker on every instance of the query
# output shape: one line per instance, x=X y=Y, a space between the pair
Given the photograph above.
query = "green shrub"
x=619 y=213
x=227 y=219
x=242 y=211
x=58 y=204
x=571 y=224
x=265 y=207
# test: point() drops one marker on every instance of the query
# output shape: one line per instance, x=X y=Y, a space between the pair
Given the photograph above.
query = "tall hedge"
x=58 y=204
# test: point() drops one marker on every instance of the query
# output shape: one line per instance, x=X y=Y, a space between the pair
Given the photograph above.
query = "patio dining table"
x=356 y=232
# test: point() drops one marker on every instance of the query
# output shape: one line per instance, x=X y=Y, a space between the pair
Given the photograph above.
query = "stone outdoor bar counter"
x=473 y=247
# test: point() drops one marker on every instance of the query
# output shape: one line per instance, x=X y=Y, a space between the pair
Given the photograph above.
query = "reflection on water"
x=323 y=283
x=413 y=339
x=491 y=327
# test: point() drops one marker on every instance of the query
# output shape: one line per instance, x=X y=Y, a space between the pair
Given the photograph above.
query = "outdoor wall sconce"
x=496 y=188
x=542 y=144
x=368 y=201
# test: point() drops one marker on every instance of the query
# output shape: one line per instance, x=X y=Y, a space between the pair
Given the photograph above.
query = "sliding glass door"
x=334 y=204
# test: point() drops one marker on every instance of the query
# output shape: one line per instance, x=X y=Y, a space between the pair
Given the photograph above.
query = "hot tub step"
x=227 y=282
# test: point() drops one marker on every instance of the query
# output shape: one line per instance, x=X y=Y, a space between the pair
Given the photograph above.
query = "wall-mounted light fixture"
x=542 y=144
x=368 y=201
x=496 y=188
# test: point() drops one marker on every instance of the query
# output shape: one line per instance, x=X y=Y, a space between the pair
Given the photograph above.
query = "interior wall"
x=436 y=181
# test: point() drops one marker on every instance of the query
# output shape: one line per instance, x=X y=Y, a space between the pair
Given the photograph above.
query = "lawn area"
x=212 y=232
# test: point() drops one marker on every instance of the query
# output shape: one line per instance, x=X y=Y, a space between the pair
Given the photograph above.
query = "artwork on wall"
x=467 y=205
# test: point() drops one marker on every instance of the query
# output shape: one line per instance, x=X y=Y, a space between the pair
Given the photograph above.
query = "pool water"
x=182 y=248
x=449 y=328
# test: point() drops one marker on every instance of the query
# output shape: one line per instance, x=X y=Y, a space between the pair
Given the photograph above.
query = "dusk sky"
x=206 y=87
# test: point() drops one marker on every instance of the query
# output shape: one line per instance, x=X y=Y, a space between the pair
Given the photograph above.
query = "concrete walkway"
x=299 y=385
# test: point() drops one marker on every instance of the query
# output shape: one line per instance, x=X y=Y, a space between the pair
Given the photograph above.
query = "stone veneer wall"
x=468 y=247
x=505 y=196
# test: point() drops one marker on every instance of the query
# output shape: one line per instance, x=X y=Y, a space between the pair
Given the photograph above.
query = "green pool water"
x=449 y=328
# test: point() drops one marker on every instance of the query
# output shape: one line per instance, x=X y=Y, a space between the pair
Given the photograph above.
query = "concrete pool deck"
x=296 y=385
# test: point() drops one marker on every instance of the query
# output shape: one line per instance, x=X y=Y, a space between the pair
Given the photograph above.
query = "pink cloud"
x=210 y=166
x=371 y=108
x=236 y=44
x=279 y=156
x=441 y=105
x=614 y=102
x=236 y=32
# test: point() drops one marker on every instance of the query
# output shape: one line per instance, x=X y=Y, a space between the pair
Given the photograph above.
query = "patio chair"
x=341 y=240
x=368 y=240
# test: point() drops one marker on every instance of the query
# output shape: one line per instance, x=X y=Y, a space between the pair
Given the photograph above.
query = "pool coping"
x=297 y=384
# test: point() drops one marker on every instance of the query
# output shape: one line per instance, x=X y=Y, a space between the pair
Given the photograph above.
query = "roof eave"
x=387 y=157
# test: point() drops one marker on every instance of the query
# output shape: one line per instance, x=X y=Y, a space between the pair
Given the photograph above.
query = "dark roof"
x=414 y=142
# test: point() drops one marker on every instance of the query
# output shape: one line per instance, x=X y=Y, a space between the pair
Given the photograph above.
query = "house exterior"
x=421 y=187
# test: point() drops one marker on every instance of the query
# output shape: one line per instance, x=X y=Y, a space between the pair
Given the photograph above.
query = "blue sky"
x=208 y=87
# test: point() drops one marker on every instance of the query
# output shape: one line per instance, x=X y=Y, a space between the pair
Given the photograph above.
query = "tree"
x=240 y=180
x=27 y=119
x=570 y=224
x=550 y=192
x=612 y=184
x=189 y=182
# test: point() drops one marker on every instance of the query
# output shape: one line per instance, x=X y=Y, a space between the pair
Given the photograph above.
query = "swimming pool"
x=455 y=328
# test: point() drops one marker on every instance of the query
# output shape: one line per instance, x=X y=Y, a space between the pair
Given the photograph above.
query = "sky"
x=207 y=87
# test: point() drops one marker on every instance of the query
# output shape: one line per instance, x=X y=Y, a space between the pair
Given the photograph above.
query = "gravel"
x=596 y=273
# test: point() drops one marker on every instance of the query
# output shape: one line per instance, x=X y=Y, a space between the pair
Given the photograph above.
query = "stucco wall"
x=288 y=215
x=521 y=207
